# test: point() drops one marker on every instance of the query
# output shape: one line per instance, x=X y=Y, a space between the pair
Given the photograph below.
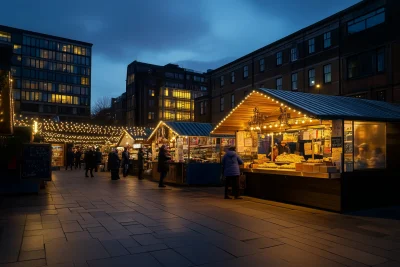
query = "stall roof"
x=302 y=106
x=186 y=128
x=337 y=107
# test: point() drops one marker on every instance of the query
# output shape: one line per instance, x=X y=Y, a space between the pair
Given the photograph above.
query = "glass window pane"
x=375 y=20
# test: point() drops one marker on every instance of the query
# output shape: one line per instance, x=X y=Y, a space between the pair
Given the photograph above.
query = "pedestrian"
x=140 y=163
x=163 y=166
x=230 y=163
x=98 y=158
x=90 y=161
x=70 y=158
x=113 y=164
x=78 y=155
x=125 y=162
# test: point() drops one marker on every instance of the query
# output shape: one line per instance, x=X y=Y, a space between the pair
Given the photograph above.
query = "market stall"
x=330 y=152
x=195 y=154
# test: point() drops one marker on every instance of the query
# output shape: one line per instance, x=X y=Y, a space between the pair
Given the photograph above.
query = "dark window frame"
x=245 y=72
x=281 y=83
x=327 y=40
x=279 y=58
x=294 y=81
x=327 y=73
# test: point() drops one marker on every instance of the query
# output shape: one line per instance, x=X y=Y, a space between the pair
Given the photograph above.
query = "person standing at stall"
x=140 y=163
x=230 y=164
x=163 y=166
x=113 y=164
x=283 y=148
x=98 y=159
x=125 y=162
x=70 y=158
x=90 y=161
x=78 y=155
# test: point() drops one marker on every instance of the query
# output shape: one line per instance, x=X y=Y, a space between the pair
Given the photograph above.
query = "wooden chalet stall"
x=195 y=155
x=330 y=152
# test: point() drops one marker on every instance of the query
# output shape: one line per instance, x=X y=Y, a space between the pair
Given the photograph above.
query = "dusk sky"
x=196 y=34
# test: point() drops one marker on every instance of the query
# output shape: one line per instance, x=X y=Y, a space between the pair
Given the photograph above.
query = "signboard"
x=36 y=161
x=336 y=142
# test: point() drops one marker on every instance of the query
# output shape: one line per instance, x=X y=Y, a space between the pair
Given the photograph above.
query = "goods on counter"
x=268 y=165
x=293 y=158
x=290 y=166
x=315 y=160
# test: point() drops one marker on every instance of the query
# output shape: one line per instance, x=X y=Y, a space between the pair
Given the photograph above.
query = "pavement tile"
x=203 y=254
x=283 y=223
x=71 y=227
x=114 y=248
x=263 y=242
x=51 y=225
x=138 y=229
x=78 y=236
x=148 y=248
x=31 y=263
x=170 y=258
x=96 y=229
x=30 y=243
x=32 y=255
x=126 y=261
x=128 y=242
x=147 y=239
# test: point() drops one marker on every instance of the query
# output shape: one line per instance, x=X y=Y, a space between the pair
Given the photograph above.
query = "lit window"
x=232 y=77
x=327 y=39
x=294 y=81
x=262 y=65
x=5 y=36
x=17 y=49
x=327 y=74
x=279 y=58
x=151 y=92
x=293 y=54
x=151 y=116
x=221 y=104
x=279 y=83
x=311 y=46
x=221 y=82
x=245 y=71
x=366 y=21
x=311 y=77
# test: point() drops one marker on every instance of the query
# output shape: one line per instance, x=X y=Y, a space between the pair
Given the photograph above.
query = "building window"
x=151 y=92
x=151 y=115
x=262 y=65
x=279 y=83
x=232 y=100
x=245 y=72
x=367 y=21
x=232 y=77
x=221 y=104
x=17 y=49
x=293 y=54
x=6 y=37
x=327 y=74
x=221 y=82
x=362 y=96
x=381 y=95
x=279 y=58
x=327 y=39
x=202 y=108
x=151 y=103
x=294 y=81
x=352 y=67
x=311 y=46
x=380 y=60
x=311 y=77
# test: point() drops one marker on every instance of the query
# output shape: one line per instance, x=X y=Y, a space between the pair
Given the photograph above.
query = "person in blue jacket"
x=230 y=164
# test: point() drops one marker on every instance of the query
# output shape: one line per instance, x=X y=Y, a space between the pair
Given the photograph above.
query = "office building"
x=118 y=110
x=51 y=75
x=165 y=93
x=354 y=53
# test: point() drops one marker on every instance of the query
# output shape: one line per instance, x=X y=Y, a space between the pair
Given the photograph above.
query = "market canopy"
x=303 y=107
x=186 y=128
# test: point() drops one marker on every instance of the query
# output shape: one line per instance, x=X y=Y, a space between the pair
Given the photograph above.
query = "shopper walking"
x=230 y=163
x=78 y=155
x=98 y=159
x=113 y=164
x=70 y=159
x=140 y=163
x=90 y=161
x=125 y=162
x=163 y=166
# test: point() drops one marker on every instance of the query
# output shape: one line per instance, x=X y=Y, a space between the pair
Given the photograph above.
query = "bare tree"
x=101 y=105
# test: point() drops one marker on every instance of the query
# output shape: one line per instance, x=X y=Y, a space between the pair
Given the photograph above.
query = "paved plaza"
x=95 y=222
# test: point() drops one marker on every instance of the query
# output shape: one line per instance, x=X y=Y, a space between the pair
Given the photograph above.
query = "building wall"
x=363 y=49
x=51 y=75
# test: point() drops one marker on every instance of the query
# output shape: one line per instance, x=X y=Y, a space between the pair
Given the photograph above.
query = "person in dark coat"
x=70 y=158
x=140 y=163
x=113 y=164
x=125 y=162
x=230 y=163
x=78 y=155
x=98 y=158
x=163 y=166
x=90 y=161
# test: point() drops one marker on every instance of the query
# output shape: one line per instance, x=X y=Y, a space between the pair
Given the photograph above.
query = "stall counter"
x=292 y=173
